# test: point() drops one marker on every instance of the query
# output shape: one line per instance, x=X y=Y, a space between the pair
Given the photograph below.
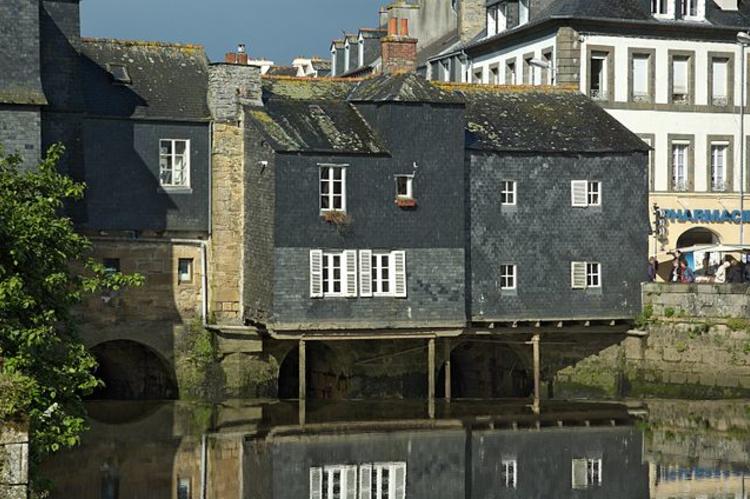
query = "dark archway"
x=697 y=235
x=132 y=371
x=486 y=370
x=324 y=377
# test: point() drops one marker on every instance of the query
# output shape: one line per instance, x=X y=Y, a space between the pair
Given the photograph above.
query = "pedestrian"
x=686 y=273
x=721 y=273
x=674 y=276
x=735 y=272
x=653 y=267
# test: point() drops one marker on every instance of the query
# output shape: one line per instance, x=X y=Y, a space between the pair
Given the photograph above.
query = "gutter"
x=187 y=242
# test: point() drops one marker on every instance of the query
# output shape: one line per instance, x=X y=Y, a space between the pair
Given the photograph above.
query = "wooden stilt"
x=535 y=340
x=431 y=376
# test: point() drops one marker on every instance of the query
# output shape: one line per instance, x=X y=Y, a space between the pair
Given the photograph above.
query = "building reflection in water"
x=361 y=450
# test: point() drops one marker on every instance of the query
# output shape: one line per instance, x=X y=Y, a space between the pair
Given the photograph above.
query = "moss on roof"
x=307 y=88
x=405 y=87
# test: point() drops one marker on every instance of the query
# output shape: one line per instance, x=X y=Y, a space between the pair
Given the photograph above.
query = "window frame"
x=726 y=141
x=650 y=139
x=649 y=54
x=590 y=477
x=689 y=181
x=393 y=484
x=523 y=12
x=190 y=271
x=689 y=56
x=607 y=54
x=331 y=195
x=584 y=189
x=729 y=59
x=376 y=269
x=509 y=481
x=583 y=272
x=409 y=185
x=668 y=4
x=593 y=273
x=505 y=193
x=700 y=10
x=186 y=174
x=511 y=71
x=508 y=281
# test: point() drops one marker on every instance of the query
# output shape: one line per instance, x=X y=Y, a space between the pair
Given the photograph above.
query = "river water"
x=247 y=449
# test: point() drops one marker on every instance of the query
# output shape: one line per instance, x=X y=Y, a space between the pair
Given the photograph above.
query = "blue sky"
x=276 y=29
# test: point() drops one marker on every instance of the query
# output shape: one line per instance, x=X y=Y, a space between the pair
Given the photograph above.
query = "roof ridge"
x=142 y=43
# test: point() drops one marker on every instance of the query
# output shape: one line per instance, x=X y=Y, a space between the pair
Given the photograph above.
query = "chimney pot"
x=392 y=26
x=404 y=28
x=241 y=48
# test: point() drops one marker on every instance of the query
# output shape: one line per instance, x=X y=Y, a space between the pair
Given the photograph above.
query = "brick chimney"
x=238 y=57
x=398 y=49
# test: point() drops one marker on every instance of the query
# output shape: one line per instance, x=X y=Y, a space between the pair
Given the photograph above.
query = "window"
x=510 y=473
x=719 y=82
x=119 y=73
x=587 y=473
x=388 y=481
x=523 y=12
x=508 y=193
x=361 y=58
x=382 y=273
x=510 y=73
x=375 y=481
x=690 y=8
x=185 y=270
x=598 y=76
x=405 y=186
x=111 y=265
x=333 y=274
x=507 y=277
x=585 y=275
x=641 y=77
x=680 y=80
x=333 y=62
x=183 y=488
x=347 y=52
x=719 y=166
x=528 y=70
x=479 y=75
x=585 y=193
x=174 y=163
x=332 y=188
x=680 y=166
x=549 y=70
x=333 y=482
x=660 y=7
x=495 y=75
x=496 y=19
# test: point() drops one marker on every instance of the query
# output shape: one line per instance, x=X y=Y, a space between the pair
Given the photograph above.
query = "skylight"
x=119 y=73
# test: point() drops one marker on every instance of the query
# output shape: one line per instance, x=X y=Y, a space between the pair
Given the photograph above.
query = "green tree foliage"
x=44 y=273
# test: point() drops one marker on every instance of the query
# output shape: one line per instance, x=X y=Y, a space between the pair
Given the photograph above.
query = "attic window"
x=119 y=74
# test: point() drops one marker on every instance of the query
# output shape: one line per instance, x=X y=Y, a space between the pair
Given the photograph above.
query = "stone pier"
x=14 y=460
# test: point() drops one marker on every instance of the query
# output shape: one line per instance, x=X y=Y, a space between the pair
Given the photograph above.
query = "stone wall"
x=21 y=132
x=14 y=461
x=697 y=300
x=568 y=65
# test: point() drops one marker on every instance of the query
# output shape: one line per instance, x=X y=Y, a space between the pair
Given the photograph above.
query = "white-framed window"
x=174 y=163
x=641 y=88
x=586 y=473
x=185 y=270
x=719 y=81
x=585 y=275
x=333 y=187
x=478 y=75
x=496 y=19
x=719 y=166
x=510 y=75
x=382 y=273
x=693 y=9
x=510 y=473
x=361 y=52
x=680 y=166
x=495 y=75
x=598 y=76
x=508 y=192
x=333 y=274
x=388 y=481
x=347 y=54
x=333 y=61
x=523 y=12
x=508 y=277
x=405 y=186
x=333 y=482
x=549 y=72
x=680 y=79
x=661 y=8
x=585 y=193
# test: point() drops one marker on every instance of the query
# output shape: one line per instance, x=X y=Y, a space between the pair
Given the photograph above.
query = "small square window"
x=111 y=265
x=507 y=277
x=185 y=270
x=508 y=193
x=119 y=73
x=405 y=186
x=593 y=275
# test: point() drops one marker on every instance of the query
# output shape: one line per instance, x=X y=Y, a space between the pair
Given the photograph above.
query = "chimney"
x=398 y=49
x=238 y=57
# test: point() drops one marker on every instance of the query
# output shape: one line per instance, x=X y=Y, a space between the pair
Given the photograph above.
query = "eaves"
x=170 y=119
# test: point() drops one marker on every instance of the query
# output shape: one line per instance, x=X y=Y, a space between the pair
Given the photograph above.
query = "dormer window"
x=346 y=57
x=523 y=12
x=333 y=61
x=496 y=19
x=119 y=74
x=693 y=9
x=361 y=58
x=663 y=9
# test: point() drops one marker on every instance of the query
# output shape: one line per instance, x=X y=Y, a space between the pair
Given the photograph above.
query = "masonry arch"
x=133 y=371
x=325 y=378
x=487 y=369
x=697 y=235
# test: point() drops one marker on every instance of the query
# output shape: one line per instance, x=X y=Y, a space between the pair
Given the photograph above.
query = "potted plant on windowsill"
x=405 y=202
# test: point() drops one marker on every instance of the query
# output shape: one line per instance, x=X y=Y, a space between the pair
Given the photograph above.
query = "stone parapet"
x=724 y=301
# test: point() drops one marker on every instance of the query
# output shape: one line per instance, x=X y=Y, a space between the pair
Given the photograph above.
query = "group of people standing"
x=730 y=270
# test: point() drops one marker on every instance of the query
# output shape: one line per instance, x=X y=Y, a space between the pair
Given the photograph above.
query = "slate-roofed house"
x=558 y=207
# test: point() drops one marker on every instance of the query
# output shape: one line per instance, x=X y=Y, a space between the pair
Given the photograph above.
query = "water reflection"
x=391 y=450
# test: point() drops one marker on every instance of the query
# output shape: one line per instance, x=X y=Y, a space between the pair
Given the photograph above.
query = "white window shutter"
x=365 y=273
x=579 y=192
x=399 y=273
x=578 y=275
x=578 y=478
x=365 y=481
x=350 y=482
x=316 y=483
x=350 y=263
x=400 y=479
x=316 y=273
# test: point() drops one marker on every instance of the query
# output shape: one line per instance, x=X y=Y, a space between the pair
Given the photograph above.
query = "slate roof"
x=405 y=87
x=332 y=127
x=307 y=88
x=541 y=120
x=282 y=71
x=169 y=81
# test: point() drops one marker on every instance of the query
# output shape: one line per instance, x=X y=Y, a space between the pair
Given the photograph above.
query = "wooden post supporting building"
x=431 y=376
x=537 y=372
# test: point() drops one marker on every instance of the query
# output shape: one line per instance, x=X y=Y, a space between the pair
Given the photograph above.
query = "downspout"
x=204 y=467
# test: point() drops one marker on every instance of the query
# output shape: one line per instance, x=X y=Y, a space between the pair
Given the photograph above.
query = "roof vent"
x=727 y=4
x=119 y=73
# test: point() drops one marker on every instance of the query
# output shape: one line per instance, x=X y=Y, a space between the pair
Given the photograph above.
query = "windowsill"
x=509 y=292
x=508 y=208
x=174 y=190
x=664 y=17
x=403 y=202
x=597 y=291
